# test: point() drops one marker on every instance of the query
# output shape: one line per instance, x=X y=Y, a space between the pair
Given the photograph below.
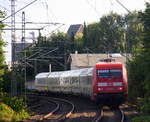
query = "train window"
x=116 y=73
x=40 y=81
x=75 y=81
x=109 y=73
x=103 y=73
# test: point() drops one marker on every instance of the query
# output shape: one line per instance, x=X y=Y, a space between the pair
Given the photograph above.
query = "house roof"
x=89 y=60
x=74 y=29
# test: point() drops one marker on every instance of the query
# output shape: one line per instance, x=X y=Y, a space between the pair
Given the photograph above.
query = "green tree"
x=79 y=39
x=145 y=17
x=84 y=34
x=133 y=30
x=2 y=57
x=106 y=35
x=139 y=71
x=111 y=31
x=114 y=33
x=60 y=36
x=93 y=34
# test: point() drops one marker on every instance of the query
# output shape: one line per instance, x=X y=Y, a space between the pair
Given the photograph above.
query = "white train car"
x=41 y=81
x=68 y=82
x=53 y=81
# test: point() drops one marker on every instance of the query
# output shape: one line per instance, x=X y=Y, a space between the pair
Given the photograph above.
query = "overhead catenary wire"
x=123 y=6
x=47 y=13
x=52 y=23
x=19 y=10
x=55 y=29
x=93 y=7
x=111 y=5
x=28 y=22
x=36 y=23
x=21 y=28
x=49 y=18
x=111 y=2
x=51 y=11
x=49 y=52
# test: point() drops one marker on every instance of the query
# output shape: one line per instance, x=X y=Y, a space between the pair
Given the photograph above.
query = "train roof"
x=105 y=65
x=42 y=75
x=99 y=63
x=55 y=74
x=69 y=73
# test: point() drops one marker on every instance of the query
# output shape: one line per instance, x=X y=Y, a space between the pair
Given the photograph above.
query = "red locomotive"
x=110 y=82
x=107 y=81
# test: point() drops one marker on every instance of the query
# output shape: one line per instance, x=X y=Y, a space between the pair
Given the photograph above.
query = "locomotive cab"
x=110 y=82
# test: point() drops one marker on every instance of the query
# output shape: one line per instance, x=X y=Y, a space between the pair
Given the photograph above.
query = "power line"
x=19 y=17
x=55 y=29
x=93 y=7
x=111 y=2
x=47 y=13
x=21 y=28
x=19 y=10
x=52 y=13
x=52 y=23
x=123 y=6
x=111 y=5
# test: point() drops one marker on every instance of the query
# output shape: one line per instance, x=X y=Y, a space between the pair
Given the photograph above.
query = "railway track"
x=106 y=114
x=122 y=115
x=99 y=115
x=63 y=112
x=41 y=108
x=59 y=109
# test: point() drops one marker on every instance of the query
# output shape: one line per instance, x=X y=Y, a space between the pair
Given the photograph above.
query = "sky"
x=64 y=12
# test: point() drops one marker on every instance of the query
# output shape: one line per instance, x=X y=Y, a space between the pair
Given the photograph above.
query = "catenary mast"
x=13 y=49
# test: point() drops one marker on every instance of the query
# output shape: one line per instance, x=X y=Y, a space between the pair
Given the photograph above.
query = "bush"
x=12 y=108
x=141 y=119
x=145 y=106
x=6 y=113
x=17 y=104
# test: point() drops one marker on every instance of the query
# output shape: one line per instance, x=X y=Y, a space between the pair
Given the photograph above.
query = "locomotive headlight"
x=120 y=88
x=100 y=89
x=117 y=84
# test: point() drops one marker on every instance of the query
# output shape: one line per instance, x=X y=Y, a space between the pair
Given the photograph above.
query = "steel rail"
x=44 y=117
x=53 y=111
x=63 y=116
x=34 y=106
x=99 y=115
x=66 y=115
x=99 y=118
x=122 y=115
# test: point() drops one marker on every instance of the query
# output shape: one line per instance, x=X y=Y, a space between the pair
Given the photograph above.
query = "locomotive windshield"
x=109 y=73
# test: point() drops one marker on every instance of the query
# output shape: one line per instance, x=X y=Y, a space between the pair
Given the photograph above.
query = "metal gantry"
x=13 y=46
x=23 y=30
x=23 y=49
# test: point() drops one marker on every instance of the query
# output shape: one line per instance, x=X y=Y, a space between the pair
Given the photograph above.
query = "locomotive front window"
x=115 y=73
x=103 y=73
x=110 y=73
